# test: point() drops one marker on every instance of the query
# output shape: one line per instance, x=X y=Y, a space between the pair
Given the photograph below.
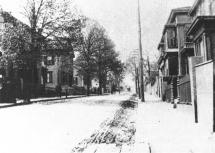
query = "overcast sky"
x=119 y=17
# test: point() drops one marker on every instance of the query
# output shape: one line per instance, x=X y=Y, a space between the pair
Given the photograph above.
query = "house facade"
x=202 y=33
x=195 y=37
x=54 y=67
x=182 y=21
x=13 y=80
x=59 y=70
x=171 y=58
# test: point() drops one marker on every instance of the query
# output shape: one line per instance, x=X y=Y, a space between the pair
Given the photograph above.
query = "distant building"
x=152 y=82
x=78 y=79
x=59 y=70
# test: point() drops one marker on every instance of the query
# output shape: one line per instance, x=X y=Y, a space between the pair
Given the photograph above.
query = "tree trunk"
x=100 y=85
x=88 y=83
x=27 y=87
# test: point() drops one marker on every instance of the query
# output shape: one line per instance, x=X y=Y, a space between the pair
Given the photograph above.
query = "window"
x=200 y=49
x=50 y=60
x=172 y=38
x=203 y=51
x=49 y=77
x=76 y=80
x=197 y=48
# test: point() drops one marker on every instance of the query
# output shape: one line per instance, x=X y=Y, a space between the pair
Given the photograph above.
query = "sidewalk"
x=162 y=129
x=45 y=99
x=42 y=99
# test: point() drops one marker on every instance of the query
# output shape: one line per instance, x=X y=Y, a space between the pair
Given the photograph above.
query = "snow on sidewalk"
x=162 y=129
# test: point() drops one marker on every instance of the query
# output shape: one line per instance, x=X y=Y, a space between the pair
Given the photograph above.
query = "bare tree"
x=98 y=56
x=86 y=60
x=45 y=18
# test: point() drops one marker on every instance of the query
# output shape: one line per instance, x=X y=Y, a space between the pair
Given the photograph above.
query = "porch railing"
x=188 y=45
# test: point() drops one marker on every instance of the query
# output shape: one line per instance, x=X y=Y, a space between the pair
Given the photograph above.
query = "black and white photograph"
x=107 y=76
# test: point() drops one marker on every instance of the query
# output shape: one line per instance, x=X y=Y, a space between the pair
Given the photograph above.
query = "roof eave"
x=199 y=20
x=193 y=8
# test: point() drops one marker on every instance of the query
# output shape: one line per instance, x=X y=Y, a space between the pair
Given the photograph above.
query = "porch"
x=169 y=88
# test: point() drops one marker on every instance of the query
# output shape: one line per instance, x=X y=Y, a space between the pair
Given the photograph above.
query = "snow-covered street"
x=103 y=124
x=55 y=127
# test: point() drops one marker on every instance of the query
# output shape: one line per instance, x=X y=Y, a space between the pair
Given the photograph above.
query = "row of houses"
x=187 y=48
x=55 y=67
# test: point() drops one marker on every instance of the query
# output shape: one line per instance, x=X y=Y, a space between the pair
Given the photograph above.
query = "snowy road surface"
x=54 y=128
x=102 y=124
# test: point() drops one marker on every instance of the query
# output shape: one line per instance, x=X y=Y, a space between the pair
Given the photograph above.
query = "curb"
x=46 y=100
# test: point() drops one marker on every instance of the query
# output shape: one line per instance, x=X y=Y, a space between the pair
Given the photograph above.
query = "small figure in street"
x=58 y=90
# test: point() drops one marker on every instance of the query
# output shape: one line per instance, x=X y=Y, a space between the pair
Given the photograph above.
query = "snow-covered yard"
x=54 y=128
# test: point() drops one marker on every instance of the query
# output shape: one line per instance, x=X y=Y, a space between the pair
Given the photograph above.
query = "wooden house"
x=172 y=49
x=202 y=34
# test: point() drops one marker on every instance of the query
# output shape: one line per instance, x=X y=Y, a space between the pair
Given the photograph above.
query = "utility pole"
x=141 y=57
x=213 y=92
x=138 y=83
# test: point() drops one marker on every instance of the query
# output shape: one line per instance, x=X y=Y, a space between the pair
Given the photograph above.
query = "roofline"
x=173 y=14
x=168 y=26
x=160 y=44
x=178 y=11
x=193 y=8
x=160 y=60
x=197 y=20
x=16 y=20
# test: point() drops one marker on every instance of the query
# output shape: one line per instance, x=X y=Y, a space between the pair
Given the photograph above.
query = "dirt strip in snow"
x=114 y=135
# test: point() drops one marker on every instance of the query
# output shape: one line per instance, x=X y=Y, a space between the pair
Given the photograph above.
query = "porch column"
x=172 y=91
x=161 y=88
x=178 y=89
